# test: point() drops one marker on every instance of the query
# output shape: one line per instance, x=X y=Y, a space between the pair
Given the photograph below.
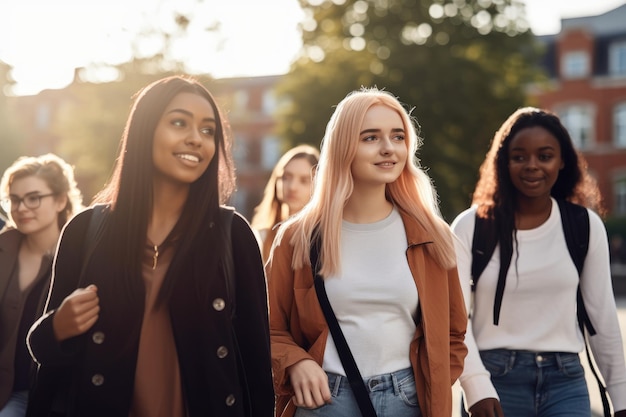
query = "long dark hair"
x=129 y=191
x=494 y=195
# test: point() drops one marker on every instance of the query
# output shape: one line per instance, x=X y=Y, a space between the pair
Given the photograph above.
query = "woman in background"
x=388 y=264
x=40 y=196
x=286 y=192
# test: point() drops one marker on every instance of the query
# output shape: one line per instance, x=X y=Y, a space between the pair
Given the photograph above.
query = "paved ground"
x=596 y=404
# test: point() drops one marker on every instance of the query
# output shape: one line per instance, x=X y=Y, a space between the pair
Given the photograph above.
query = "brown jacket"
x=298 y=329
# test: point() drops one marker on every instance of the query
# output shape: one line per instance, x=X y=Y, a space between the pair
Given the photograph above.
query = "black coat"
x=95 y=371
x=10 y=242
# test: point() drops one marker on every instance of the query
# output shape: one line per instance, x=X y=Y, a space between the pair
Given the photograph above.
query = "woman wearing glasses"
x=40 y=195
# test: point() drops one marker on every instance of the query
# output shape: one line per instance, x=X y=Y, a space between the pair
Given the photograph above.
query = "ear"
x=60 y=203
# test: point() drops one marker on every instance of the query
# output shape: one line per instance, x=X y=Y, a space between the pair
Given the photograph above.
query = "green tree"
x=461 y=65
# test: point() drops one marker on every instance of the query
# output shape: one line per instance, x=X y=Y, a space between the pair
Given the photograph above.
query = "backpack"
x=575 y=222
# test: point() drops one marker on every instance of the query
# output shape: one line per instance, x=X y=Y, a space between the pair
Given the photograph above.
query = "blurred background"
x=68 y=70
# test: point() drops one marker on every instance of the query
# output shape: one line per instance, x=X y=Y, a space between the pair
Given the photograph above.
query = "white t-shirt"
x=374 y=298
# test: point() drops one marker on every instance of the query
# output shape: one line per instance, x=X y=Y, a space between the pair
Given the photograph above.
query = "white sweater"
x=539 y=302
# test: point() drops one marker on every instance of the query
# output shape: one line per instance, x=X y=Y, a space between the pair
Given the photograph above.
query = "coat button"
x=230 y=400
x=222 y=352
x=219 y=304
x=98 y=338
x=97 y=380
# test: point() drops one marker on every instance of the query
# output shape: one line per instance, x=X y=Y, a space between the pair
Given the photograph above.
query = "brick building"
x=248 y=103
x=250 y=106
x=586 y=66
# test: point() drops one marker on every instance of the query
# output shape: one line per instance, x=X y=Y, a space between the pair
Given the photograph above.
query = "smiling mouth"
x=532 y=182
x=188 y=157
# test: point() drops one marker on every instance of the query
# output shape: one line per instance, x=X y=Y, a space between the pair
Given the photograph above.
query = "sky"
x=44 y=41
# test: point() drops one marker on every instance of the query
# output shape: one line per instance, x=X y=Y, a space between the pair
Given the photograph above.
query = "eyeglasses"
x=31 y=201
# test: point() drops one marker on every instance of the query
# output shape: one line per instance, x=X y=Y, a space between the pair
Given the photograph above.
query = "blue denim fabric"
x=393 y=395
x=16 y=407
x=538 y=384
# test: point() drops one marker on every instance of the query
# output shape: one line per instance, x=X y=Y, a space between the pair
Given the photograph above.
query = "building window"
x=619 y=125
x=575 y=64
x=43 y=117
x=617 y=58
x=619 y=195
x=240 y=101
x=578 y=120
x=240 y=151
x=270 y=152
x=269 y=102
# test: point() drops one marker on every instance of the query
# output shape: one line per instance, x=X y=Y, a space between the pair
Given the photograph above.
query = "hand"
x=621 y=413
x=487 y=407
x=77 y=313
x=310 y=384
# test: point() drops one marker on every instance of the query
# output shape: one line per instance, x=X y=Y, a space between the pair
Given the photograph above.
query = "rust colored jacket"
x=299 y=331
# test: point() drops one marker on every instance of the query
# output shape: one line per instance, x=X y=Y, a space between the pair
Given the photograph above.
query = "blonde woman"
x=388 y=264
x=40 y=196
x=286 y=192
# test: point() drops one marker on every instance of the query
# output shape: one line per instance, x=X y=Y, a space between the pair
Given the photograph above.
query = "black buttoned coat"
x=224 y=361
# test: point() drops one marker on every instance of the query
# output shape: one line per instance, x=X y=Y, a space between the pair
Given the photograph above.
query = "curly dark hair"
x=494 y=194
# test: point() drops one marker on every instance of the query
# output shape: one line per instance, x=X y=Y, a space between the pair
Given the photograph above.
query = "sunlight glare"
x=44 y=42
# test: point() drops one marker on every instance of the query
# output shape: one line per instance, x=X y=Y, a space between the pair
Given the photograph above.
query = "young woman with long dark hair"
x=153 y=326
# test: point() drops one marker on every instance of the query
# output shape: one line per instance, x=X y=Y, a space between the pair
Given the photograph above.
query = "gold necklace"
x=155 y=257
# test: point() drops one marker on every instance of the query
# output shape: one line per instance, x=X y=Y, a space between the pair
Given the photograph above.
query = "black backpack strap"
x=226 y=219
x=347 y=360
x=92 y=236
x=484 y=243
x=575 y=220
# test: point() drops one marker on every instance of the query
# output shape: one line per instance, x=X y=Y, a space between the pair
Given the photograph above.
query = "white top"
x=374 y=298
x=539 y=303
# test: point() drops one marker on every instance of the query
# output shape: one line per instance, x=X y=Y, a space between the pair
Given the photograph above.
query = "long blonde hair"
x=271 y=210
x=412 y=192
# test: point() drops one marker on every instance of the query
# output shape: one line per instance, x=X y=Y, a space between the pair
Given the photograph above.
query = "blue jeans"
x=393 y=395
x=16 y=407
x=538 y=384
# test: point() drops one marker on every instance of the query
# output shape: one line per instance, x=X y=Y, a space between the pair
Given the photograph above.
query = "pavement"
x=594 y=396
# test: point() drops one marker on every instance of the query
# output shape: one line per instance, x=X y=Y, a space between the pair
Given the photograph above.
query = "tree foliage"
x=461 y=65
